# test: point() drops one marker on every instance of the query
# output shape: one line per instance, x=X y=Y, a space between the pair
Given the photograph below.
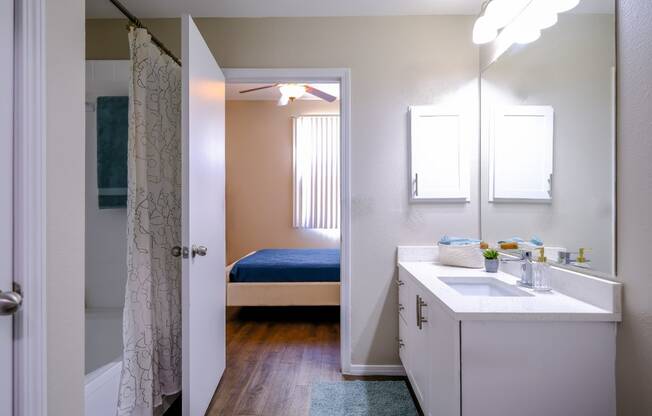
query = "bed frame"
x=281 y=293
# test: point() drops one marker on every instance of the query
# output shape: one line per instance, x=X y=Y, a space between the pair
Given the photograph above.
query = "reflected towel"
x=457 y=241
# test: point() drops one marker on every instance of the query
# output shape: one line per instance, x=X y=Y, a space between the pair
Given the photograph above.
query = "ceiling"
x=283 y=8
x=273 y=94
x=304 y=8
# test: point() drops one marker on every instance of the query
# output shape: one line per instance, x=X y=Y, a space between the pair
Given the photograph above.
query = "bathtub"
x=103 y=360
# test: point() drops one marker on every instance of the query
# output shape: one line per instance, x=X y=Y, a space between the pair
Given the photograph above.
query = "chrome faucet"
x=565 y=257
x=525 y=259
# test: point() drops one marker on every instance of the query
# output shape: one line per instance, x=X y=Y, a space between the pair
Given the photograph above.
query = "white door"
x=6 y=200
x=203 y=287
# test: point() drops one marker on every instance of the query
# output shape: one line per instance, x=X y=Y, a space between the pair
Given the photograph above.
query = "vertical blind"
x=317 y=172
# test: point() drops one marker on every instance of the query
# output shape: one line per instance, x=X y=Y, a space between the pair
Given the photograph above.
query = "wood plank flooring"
x=273 y=356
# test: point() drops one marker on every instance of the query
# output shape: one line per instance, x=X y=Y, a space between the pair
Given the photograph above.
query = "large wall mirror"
x=548 y=140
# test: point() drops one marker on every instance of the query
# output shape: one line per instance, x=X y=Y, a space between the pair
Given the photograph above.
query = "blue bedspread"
x=288 y=265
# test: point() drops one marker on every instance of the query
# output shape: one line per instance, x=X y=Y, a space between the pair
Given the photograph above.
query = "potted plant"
x=490 y=260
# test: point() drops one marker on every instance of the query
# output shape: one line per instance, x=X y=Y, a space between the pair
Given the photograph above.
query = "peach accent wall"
x=259 y=178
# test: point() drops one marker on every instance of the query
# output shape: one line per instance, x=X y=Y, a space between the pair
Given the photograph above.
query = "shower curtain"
x=151 y=366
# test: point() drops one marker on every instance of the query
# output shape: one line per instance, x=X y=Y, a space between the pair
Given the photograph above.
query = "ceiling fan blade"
x=284 y=100
x=321 y=94
x=259 y=88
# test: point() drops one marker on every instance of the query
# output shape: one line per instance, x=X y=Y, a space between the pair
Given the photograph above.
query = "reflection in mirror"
x=548 y=120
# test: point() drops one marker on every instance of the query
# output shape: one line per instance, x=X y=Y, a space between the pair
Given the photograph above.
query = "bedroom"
x=282 y=195
x=282 y=234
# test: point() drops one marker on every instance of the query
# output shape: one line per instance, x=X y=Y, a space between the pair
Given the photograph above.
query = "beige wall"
x=259 y=177
x=65 y=206
x=395 y=62
x=634 y=364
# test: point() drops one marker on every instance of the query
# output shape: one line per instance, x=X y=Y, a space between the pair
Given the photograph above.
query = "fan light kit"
x=520 y=21
x=290 y=92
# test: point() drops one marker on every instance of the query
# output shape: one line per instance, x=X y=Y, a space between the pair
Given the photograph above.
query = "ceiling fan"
x=290 y=92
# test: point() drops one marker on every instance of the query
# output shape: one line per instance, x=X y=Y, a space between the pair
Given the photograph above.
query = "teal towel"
x=457 y=241
x=534 y=240
x=112 y=137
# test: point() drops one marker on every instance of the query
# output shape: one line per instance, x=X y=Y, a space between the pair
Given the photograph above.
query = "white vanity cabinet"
x=444 y=362
x=468 y=363
x=413 y=341
x=430 y=349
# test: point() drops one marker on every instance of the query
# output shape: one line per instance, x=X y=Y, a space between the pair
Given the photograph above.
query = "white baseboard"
x=375 y=370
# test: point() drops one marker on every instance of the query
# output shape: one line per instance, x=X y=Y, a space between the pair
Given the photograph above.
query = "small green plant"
x=490 y=254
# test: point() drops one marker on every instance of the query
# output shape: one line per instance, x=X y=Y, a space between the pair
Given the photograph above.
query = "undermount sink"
x=482 y=286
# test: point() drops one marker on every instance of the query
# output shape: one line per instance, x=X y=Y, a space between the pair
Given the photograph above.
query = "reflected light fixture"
x=521 y=20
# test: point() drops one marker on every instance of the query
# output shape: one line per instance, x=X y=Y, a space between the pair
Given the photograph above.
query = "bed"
x=285 y=277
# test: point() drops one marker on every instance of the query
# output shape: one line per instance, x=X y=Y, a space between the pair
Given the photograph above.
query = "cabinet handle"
x=399 y=282
x=420 y=318
x=418 y=302
x=416 y=184
x=420 y=315
x=401 y=307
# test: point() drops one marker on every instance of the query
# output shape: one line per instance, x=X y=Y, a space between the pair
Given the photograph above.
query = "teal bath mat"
x=361 y=398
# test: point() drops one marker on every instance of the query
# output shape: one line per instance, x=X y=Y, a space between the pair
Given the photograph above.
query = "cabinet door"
x=403 y=343
x=439 y=162
x=444 y=371
x=403 y=298
x=421 y=354
x=521 y=175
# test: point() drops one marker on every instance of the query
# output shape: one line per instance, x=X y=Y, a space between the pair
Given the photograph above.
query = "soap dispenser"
x=541 y=272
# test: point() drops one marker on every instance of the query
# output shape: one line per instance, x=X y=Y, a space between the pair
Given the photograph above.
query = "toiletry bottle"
x=541 y=273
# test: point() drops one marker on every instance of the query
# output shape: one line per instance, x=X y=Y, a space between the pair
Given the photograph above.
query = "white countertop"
x=542 y=306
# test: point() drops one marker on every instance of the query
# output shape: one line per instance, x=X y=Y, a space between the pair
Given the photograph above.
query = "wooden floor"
x=273 y=356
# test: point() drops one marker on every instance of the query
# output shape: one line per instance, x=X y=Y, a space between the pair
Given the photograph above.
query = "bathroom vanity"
x=477 y=344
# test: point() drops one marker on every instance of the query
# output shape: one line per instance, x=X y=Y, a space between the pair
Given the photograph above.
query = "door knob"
x=10 y=302
x=199 y=251
x=178 y=251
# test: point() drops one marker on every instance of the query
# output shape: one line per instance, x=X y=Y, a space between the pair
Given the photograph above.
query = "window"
x=317 y=172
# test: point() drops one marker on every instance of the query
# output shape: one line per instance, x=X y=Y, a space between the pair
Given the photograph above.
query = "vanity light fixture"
x=521 y=21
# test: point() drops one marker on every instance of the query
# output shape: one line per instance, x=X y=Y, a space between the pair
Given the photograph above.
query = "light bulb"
x=483 y=31
x=501 y=12
x=292 y=91
x=564 y=5
x=542 y=13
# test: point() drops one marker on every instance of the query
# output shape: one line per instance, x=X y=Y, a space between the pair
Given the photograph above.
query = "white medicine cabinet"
x=439 y=161
x=521 y=153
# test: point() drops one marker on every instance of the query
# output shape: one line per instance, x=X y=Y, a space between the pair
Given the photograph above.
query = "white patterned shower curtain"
x=151 y=366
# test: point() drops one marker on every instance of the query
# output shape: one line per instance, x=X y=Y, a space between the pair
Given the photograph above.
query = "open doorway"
x=283 y=243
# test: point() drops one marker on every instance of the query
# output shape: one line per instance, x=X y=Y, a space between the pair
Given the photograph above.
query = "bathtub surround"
x=152 y=316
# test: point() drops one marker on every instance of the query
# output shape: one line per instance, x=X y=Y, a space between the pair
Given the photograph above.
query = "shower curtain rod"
x=136 y=22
